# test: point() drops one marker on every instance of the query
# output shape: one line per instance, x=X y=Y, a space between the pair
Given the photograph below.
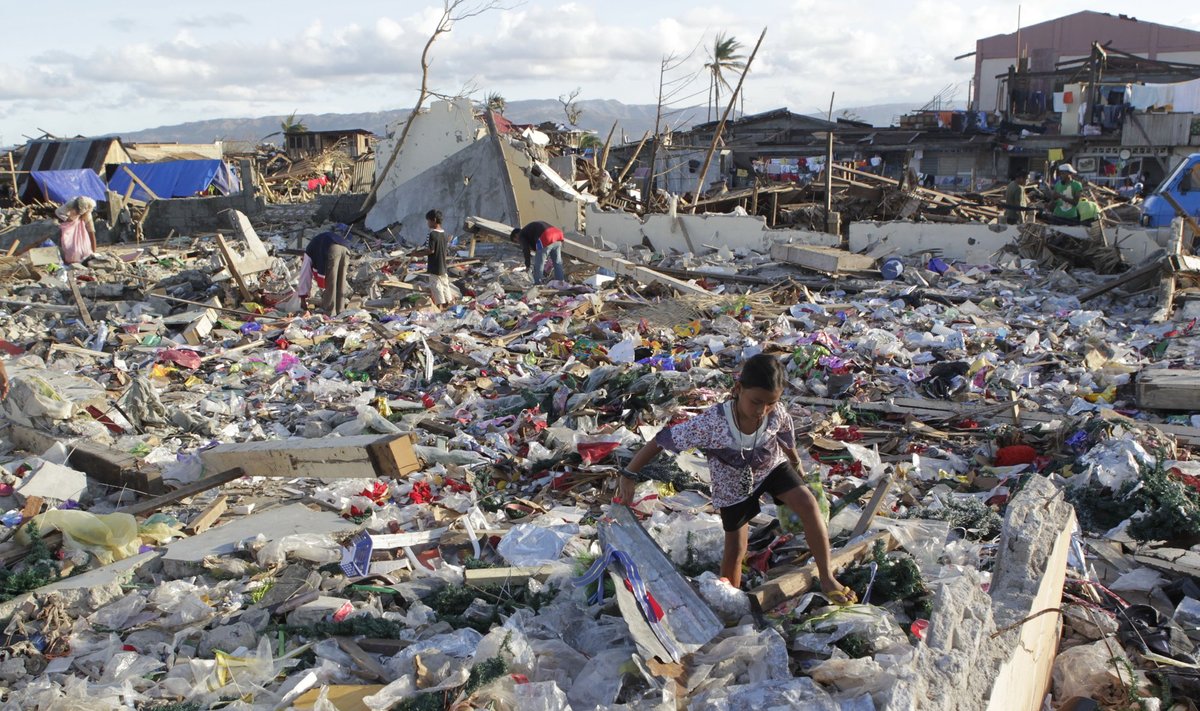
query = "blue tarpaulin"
x=62 y=185
x=176 y=178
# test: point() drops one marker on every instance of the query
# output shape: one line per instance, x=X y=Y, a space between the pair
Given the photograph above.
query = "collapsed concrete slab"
x=978 y=243
x=994 y=651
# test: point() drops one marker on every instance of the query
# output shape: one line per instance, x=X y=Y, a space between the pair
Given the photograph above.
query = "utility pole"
x=829 y=165
x=648 y=189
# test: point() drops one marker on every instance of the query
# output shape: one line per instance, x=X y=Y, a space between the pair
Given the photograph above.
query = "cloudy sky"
x=71 y=67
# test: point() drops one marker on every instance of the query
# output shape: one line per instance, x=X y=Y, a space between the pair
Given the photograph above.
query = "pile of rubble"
x=214 y=502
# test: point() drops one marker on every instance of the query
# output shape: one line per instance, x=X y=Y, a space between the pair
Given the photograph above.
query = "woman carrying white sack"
x=78 y=231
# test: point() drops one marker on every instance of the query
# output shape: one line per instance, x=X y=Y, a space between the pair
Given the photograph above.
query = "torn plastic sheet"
x=529 y=544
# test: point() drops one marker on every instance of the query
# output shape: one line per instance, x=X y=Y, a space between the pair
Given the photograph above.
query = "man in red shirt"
x=541 y=240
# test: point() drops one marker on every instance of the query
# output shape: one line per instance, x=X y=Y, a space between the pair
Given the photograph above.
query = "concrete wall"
x=532 y=201
x=977 y=243
x=471 y=182
x=706 y=232
x=191 y=215
x=438 y=132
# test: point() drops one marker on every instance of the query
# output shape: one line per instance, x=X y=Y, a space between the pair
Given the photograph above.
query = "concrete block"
x=53 y=481
x=41 y=256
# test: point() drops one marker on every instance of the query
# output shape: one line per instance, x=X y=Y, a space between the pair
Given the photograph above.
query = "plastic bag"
x=528 y=544
x=818 y=633
x=923 y=539
x=116 y=615
x=730 y=603
x=108 y=537
x=1099 y=671
x=31 y=396
x=685 y=535
x=854 y=677
x=793 y=693
x=314 y=547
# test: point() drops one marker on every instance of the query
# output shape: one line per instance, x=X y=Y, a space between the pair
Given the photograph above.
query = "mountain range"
x=598 y=115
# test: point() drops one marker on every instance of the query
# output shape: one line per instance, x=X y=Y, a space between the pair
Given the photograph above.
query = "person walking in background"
x=441 y=291
x=1015 y=199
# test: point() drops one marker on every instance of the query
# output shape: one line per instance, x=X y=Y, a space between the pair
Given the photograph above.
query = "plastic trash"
x=876 y=625
x=314 y=547
x=108 y=537
x=1098 y=671
x=730 y=603
x=528 y=544
x=892 y=268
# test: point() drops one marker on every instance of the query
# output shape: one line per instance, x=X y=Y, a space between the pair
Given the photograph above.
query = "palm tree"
x=495 y=102
x=291 y=124
x=724 y=58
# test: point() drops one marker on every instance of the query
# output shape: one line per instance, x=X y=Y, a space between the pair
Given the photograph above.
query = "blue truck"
x=1183 y=186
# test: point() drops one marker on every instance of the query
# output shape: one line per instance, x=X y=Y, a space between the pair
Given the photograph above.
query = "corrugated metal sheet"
x=68 y=154
x=1160 y=130
x=364 y=174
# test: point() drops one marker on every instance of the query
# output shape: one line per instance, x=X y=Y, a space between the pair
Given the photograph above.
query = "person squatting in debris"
x=326 y=261
x=541 y=240
x=441 y=291
x=1067 y=192
x=751 y=450
x=78 y=231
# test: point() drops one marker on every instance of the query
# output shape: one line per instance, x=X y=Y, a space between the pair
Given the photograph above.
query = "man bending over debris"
x=751 y=450
x=541 y=240
x=78 y=241
x=326 y=261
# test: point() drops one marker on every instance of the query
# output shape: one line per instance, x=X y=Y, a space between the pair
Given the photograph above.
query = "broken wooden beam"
x=104 y=464
x=795 y=582
x=364 y=456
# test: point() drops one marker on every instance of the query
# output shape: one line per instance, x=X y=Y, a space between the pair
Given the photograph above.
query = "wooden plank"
x=104 y=464
x=365 y=661
x=488 y=577
x=868 y=514
x=823 y=259
x=618 y=265
x=231 y=264
x=1139 y=273
x=205 y=518
x=151 y=505
x=1168 y=389
x=79 y=302
x=1024 y=678
x=578 y=250
x=363 y=456
x=797 y=582
x=143 y=186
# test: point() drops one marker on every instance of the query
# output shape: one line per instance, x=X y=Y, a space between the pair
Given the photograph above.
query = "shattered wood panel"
x=688 y=618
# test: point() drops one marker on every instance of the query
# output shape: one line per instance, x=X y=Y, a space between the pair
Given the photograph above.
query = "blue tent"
x=176 y=178
x=62 y=185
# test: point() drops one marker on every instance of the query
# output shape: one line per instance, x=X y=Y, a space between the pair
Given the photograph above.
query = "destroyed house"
x=355 y=142
x=99 y=155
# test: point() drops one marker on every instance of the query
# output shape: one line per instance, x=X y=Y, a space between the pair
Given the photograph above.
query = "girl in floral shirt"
x=751 y=451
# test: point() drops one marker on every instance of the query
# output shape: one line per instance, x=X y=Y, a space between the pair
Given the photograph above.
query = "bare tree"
x=571 y=107
x=452 y=11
